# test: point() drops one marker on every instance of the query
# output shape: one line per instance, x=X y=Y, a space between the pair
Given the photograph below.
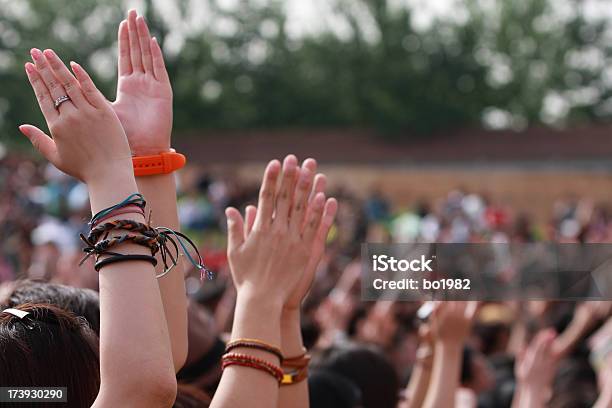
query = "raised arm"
x=268 y=255
x=535 y=369
x=451 y=324
x=90 y=144
x=295 y=394
x=144 y=107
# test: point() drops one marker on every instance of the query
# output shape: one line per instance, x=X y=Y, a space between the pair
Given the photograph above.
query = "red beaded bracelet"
x=245 y=360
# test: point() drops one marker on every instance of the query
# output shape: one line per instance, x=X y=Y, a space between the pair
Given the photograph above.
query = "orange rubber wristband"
x=162 y=163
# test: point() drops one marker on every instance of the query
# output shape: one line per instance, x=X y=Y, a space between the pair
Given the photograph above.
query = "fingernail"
x=290 y=161
x=35 y=53
x=29 y=67
x=49 y=53
x=22 y=129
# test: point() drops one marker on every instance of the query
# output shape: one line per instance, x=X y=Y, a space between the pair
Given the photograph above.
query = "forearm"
x=569 y=338
x=160 y=193
x=527 y=396
x=605 y=398
x=419 y=382
x=255 y=318
x=444 y=376
x=135 y=363
x=294 y=395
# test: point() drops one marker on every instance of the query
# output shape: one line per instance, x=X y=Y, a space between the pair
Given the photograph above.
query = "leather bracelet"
x=163 y=163
x=295 y=376
x=254 y=344
x=120 y=258
x=299 y=369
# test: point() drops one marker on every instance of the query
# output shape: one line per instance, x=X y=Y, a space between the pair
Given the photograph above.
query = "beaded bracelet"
x=245 y=360
x=254 y=344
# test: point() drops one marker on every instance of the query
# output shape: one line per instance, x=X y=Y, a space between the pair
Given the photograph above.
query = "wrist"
x=448 y=346
x=259 y=302
x=110 y=190
x=150 y=150
x=292 y=343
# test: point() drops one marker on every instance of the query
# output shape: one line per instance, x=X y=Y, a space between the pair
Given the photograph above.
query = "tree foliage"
x=499 y=64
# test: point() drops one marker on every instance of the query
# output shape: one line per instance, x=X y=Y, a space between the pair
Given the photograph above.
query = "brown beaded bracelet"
x=245 y=360
x=254 y=344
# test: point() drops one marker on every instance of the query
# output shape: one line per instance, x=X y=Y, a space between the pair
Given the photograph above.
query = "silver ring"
x=61 y=100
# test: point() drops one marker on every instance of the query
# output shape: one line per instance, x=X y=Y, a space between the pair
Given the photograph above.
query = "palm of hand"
x=144 y=107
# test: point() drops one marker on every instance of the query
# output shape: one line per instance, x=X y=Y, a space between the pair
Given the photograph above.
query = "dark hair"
x=79 y=301
x=327 y=389
x=368 y=369
x=50 y=347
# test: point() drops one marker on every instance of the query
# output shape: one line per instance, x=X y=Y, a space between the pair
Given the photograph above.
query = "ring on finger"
x=60 y=100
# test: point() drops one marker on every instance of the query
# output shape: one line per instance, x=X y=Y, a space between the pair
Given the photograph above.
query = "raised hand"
x=309 y=166
x=451 y=321
x=270 y=257
x=144 y=94
x=88 y=140
x=535 y=369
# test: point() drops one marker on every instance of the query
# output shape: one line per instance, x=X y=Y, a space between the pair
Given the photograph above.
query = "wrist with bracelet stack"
x=158 y=239
x=297 y=366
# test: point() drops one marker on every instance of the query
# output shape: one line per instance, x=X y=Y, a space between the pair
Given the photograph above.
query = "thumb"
x=235 y=228
x=41 y=142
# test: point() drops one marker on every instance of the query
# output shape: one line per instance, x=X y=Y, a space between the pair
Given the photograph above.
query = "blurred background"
x=435 y=121
x=487 y=116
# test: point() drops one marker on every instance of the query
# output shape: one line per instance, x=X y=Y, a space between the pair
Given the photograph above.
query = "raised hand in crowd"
x=450 y=327
x=535 y=369
x=89 y=143
x=144 y=95
x=269 y=253
x=416 y=390
x=144 y=107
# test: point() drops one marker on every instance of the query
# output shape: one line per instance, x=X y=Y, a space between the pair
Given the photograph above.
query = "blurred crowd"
x=367 y=353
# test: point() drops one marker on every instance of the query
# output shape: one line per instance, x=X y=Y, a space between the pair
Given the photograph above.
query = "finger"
x=93 y=95
x=319 y=185
x=285 y=192
x=249 y=219
x=144 y=40
x=314 y=217
x=41 y=142
x=300 y=200
x=235 y=229
x=310 y=164
x=68 y=81
x=159 y=67
x=135 y=53
x=42 y=93
x=471 y=309
x=329 y=214
x=125 y=65
x=53 y=85
x=265 y=208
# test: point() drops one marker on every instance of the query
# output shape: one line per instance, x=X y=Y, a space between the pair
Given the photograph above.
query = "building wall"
x=533 y=190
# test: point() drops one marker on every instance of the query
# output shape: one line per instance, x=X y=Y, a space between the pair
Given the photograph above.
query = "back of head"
x=368 y=369
x=49 y=348
x=79 y=301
